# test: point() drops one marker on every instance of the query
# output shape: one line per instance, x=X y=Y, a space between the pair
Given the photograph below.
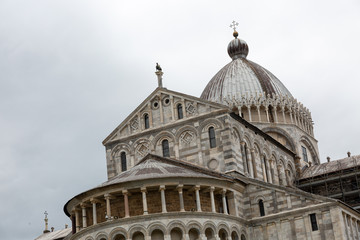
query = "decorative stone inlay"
x=134 y=124
x=213 y=164
x=187 y=137
x=143 y=149
x=173 y=131
x=166 y=101
x=190 y=109
x=155 y=104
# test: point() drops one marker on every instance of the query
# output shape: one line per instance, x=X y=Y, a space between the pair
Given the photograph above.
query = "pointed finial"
x=46 y=223
x=159 y=74
x=233 y=26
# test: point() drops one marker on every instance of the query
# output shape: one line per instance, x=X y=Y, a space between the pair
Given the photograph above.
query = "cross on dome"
x=233 y=25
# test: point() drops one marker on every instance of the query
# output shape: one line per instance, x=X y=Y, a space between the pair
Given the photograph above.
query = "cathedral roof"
x=331 y=167
x=58 y=234
x=154 y=167
x=242 y=77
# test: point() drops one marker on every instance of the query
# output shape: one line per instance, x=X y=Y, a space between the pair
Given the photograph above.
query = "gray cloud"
x=71 y=71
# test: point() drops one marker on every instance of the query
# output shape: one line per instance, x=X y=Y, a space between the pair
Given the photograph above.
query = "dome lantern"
x=237 y=48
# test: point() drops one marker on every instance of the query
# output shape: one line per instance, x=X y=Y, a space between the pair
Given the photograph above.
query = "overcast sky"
x=71 y=71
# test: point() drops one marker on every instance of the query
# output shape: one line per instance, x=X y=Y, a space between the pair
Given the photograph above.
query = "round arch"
x=115 y=232
x=305 y=140
x=282 y=133
x=209 y=123
x=223 y=226
x=101 y=236
x=194 y=224
x=176 y=224
x=157 y=226
x=136 y=229
x=183 y=129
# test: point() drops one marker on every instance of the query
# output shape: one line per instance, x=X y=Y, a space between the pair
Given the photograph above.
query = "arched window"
x=165 y=148
x=180 y=111
x=212 y=137
x=146 y=121
x=123 y=162
x=304 y=153
x=261 y=208
x=243 y=237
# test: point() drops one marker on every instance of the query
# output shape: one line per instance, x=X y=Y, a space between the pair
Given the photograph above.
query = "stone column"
x=184 y=107
x=268 y=168
x=150 y=115
x=107 y=197
x=163 y=201
x=264 y=169
x=259 y=115
x=283 y=113
x=267 y=114
x=291 y=117
x=176 y=149
x=272 y=173
x=236 y=210
x=275 y=113
x=252 y=151
x=172 y=108
x=186 y=236
x=93 y=201
x=249 y=111
x=181 y=198
x=287 y=176
x=202 y=236
x=212 y=189
x=242 y=149
x=197 y=193
x=296 y=117
x=145 y=208
x=161 y=109
x=83 y=211
x=278 y=229
x=223 y=193
x=126 y=203
x=77 y=220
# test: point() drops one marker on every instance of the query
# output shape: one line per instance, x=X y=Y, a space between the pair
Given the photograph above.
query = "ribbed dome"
x=242 y=77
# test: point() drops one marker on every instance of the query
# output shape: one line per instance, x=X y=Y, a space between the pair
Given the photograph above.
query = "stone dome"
x=242 y=77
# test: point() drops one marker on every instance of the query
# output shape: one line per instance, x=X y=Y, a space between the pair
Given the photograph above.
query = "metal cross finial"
x=233 y=25
x=46 y=214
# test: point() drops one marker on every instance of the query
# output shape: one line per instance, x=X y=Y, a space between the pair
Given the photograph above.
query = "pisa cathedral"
x=224 y=166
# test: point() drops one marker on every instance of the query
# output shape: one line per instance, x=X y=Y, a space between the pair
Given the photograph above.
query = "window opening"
x=212 y=138
x=313 y=221
x=165 y=148
x=304 y=152
x=123 y=162
x=261 y=208
x=180 y=111
x=146 y=121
